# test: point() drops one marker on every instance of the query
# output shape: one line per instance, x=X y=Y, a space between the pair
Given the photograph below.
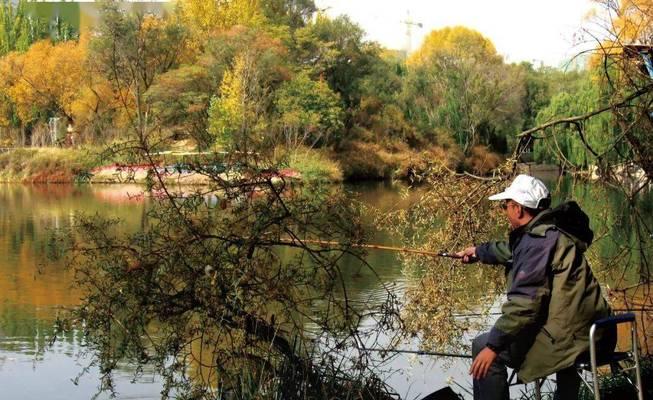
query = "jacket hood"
x=570 y=219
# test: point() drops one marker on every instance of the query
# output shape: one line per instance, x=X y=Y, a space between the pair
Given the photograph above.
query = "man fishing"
x=552 y=300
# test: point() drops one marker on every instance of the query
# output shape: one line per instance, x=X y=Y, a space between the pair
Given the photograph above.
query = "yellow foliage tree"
x=46 y=78
x=5 y=99
x=234 y=116
x=635 y=21
x=95 y=102
x=455 y=40
x=207 y=16
x=54 y=80
x=229 y=109
x=624 y=22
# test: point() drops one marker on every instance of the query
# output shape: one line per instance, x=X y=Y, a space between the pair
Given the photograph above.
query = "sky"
x=538 y=31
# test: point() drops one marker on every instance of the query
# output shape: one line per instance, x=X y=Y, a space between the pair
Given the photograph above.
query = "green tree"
x=292 y=13
x=334 y=50
x=269 y=53
x=537 y=94
x=19 y=29
x=180 y=101
x=309 y=112
x=381 y=109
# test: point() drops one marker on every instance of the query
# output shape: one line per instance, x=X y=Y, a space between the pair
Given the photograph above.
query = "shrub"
x=315 y=166
x=482 y=160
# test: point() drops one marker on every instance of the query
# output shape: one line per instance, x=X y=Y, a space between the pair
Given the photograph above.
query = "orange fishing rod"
x=376 y=247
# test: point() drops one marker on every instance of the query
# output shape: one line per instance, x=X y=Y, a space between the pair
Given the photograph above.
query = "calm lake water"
x=34 y=288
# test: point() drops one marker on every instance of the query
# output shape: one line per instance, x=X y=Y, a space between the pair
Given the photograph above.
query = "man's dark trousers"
x=495 y=384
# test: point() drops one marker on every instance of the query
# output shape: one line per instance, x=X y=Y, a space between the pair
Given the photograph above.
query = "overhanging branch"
x=573 y=120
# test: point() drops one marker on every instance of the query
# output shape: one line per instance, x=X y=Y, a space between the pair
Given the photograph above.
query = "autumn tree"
x=45 y=81
x=96 y=110
x=236 y=112
x=207 y=17
x=131 y=51
x=48 y=79
x=460 y=85
x=252 y=67
x=204 y=17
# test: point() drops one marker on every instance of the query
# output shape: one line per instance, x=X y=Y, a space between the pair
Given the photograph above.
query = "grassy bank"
x=45 y=165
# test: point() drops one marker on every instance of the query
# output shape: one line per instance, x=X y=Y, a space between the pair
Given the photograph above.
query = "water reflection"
x=35 y=285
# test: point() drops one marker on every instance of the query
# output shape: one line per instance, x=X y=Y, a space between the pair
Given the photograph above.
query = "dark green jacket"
x=553 y=297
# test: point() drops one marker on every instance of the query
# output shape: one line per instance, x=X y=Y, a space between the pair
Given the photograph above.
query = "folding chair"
x=620 y=362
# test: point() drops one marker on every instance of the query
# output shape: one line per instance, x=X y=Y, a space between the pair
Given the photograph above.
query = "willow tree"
x=607 y=125
x=562 y=145
x=622 y=86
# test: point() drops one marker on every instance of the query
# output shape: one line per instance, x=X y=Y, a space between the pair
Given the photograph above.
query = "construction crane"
x=409 y=32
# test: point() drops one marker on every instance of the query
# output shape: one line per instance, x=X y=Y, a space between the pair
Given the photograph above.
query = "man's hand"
x=468 y=255
x=482 y=363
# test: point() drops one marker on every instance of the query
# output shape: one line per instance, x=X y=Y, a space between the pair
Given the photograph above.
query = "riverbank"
x=89 y=165
x=354 y=161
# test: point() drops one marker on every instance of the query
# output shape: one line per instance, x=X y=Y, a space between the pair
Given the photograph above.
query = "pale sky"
x=521 y=30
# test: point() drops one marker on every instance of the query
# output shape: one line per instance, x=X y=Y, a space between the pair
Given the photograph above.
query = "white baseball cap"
x=525 y=190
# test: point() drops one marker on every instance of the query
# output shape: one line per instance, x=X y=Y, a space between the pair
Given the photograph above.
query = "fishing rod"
x=420 y=353
x=377 y=247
